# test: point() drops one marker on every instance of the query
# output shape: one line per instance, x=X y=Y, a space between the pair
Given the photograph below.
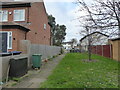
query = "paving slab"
x=36 y=77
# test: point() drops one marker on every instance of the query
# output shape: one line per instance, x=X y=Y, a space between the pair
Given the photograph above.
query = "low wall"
x=5 y=64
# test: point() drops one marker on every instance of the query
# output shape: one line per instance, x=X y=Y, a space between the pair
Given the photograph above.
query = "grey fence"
x=45 y=50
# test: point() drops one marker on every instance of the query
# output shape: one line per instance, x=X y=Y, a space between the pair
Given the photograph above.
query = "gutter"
x=14 y=27
x=15 y=5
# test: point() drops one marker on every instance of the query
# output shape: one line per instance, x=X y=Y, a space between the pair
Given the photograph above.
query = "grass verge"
x=72 y=72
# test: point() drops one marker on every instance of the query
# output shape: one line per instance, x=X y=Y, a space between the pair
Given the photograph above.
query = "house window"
x=19 y=15
x=9 y=40
x=3 y=15
x=44 y=26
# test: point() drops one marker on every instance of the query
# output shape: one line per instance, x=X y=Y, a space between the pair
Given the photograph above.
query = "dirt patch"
x=87 y=60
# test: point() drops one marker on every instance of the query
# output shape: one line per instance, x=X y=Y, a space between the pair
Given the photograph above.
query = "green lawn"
x=72 y=72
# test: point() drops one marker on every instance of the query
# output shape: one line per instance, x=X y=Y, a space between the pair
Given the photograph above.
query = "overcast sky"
x=65 y=12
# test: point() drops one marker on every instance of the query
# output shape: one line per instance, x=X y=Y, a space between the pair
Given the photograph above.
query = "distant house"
x=96 y=38
x=67 y=45
x=23 y=21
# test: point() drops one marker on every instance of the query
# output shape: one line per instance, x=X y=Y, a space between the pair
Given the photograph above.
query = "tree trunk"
x=89 y=50
x=89 y=44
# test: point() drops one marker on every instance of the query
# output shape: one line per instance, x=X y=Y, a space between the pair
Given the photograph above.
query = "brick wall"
x=17 y=35
x=11 y=16
x=38 y=17
x=35 y=18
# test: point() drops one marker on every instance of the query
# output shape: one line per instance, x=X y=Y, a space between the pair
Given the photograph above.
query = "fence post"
x=25 y=47
x=110 y=51
x=96 y=49
x=102 y=51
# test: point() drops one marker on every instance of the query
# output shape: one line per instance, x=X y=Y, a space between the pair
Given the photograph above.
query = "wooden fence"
x=103 y=50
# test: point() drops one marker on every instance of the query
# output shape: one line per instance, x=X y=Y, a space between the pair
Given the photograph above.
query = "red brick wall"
x=10 y=17
x=17 y=35
x=36 y=15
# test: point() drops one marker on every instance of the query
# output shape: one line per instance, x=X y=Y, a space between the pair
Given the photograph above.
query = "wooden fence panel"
x=103 y=50
x=106 y=51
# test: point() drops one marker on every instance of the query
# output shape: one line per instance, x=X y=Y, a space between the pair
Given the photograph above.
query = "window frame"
x=2 y=16
x=45 y=26
x=8 y=42
x=19 y=19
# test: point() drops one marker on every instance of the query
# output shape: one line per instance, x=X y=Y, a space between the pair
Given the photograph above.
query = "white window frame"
x=45 y=26
x=8 y=42
x=2 y=11
x=19 y=19
x=8 y=34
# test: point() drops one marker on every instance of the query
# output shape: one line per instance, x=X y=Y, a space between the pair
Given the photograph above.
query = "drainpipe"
x=25 y=35
x=28 y=16
x=27 y=22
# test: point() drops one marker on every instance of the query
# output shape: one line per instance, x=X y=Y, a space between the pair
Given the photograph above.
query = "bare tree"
x=104 y=15
x=109 y=14
x=88 y=20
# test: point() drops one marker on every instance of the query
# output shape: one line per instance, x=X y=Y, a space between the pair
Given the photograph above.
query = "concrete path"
x=38 y=76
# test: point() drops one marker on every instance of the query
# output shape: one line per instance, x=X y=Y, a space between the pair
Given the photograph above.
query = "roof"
x=13 y=26
x=67 y=43
x=115 y=39
x=14 y=4
x=92 y=34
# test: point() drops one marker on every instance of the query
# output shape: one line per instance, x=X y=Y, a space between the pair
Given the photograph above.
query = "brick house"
x=23 y=21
